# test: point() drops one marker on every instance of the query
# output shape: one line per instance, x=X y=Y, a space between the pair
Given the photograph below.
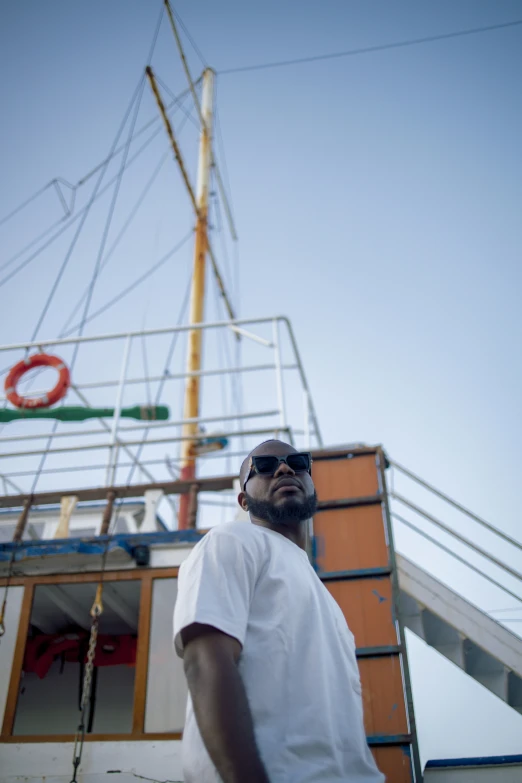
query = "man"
x=275 y=695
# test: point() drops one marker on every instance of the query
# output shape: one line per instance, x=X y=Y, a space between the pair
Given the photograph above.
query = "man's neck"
x=295 y=533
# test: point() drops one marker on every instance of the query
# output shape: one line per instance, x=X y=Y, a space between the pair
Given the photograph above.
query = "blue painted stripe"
x=95 y=546
x=360 y=573
x=388 y=739
x=480 y=761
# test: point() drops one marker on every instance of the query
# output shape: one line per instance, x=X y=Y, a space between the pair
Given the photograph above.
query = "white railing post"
x=113 y=451
x=279 y=377
x=306 y=404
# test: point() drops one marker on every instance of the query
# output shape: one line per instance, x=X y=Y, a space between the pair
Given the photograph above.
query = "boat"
x=105 y=492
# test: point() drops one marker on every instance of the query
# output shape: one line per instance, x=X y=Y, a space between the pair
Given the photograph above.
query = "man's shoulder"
x=245 y=532
x=230 y=534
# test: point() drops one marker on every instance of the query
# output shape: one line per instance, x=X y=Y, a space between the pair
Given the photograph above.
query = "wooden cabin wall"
x=353 y=555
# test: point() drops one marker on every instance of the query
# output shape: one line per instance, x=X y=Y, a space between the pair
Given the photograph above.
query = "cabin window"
x=139 y=687
x=53 y=666
x=166 y=684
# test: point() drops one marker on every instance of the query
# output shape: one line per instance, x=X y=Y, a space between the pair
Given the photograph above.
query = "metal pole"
x=197 y=299
x=201 y=119
x=193 y=197
x=456 y=505
x=279 y=374
x=113 y=453
x=306 y=419
x=394 y=576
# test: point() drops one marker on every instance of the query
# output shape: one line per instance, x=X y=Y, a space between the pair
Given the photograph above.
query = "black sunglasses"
x=267 y=464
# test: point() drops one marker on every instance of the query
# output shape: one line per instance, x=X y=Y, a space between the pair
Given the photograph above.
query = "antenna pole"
x=197 y=300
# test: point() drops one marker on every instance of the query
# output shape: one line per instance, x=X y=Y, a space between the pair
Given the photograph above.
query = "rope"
x=370 y=49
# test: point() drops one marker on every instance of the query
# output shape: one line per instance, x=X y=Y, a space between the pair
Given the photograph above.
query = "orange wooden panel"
x=383 y=696
x=335 y=479
x=367 y=606
x=394 y=763
x=350 y=538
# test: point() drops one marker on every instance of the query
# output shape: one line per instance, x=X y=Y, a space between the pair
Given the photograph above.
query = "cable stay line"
x=133 y=285
x=370 y=49
x=183 y=26
x=170 y=353
x=83 y=219
x=176 y=103
x=72 y=219
x=123 y=230
x=136 y=98
x=108 y=221
x=197 y=104
x=54 y=183
x=140 y=200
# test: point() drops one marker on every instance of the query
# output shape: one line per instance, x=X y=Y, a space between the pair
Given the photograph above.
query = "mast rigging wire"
x=72 y=219
x=120 y=236
x=82 y=221
x=175 y=337
x=135 y=284
x=190 y=38
x=124 y=228
x=136 y=97
x=108 y=221
x=370 y=49
x=177 y=103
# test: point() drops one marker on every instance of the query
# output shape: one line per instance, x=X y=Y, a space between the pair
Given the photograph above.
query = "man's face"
x=285 y=497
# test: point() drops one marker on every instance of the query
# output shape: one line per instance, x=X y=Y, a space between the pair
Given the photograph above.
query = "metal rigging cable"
x=190 y=38
x=170 y=353
x=62 y=270
x=64 y=333
x=370 y=49
x=40 y=192
x=176 y=103
x=108 y=223
x=82 y=221
x=135 y=99
x=135 y=284
x=123 y=230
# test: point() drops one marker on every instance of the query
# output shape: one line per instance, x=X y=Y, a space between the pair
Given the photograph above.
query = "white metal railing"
x=57 y=451
x=461 y=527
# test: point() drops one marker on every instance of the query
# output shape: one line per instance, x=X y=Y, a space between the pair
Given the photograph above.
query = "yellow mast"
x=197 y=299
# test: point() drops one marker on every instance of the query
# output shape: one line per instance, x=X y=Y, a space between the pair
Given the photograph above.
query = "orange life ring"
x=37 y=360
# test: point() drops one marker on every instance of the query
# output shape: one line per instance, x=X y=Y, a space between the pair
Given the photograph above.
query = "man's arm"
x=220 y=703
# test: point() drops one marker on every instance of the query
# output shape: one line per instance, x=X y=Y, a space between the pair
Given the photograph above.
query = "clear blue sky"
x=378 y=203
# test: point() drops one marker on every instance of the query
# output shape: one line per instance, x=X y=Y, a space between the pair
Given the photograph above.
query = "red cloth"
x=41 y=651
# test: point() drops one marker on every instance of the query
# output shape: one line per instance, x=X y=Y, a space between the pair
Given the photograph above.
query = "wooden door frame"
x=145 y=576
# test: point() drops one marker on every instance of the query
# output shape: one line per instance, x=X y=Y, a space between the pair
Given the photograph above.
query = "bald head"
x=277 y=447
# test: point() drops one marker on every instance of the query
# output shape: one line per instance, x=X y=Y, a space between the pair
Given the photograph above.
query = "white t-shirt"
x=298 y=659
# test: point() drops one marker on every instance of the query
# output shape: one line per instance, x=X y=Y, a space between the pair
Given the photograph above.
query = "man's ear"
x=241 y=499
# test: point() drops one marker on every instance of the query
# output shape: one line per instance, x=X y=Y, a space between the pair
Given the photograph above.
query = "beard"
x=290 y=513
